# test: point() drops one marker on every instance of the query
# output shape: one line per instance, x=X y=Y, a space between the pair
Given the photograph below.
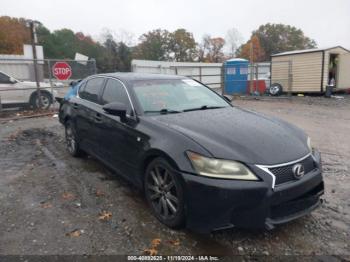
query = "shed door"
x=344 y=71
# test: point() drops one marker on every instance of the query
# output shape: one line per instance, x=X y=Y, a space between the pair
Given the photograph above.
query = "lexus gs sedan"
x=201 y=162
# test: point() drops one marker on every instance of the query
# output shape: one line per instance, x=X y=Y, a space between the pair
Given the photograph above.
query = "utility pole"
x=35 y=59
x=251 y=67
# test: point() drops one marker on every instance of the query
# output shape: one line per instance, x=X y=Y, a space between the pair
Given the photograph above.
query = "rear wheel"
x=46 y=100
x=164 y=193
x=71 y=140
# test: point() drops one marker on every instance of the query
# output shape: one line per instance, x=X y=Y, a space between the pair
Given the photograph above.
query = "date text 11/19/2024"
x=173 y=258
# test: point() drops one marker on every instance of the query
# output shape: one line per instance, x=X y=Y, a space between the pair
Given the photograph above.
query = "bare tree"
x=203 y=48
x=120 y=36
x=233 y=40
x=216 y=54
x=210 y=49
x=125 y=36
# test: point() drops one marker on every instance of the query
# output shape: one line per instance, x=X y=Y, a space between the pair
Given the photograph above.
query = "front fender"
x=168 y=143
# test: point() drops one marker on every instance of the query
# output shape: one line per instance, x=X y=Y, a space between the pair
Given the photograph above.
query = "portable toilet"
x=236 y=76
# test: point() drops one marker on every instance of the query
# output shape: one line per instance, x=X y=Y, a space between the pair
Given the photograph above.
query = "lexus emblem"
x=298 y=171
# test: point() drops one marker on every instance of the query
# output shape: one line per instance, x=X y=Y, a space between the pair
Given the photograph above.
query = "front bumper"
x=214 y=204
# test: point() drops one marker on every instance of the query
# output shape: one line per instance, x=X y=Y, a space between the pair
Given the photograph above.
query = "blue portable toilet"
x=236 y=76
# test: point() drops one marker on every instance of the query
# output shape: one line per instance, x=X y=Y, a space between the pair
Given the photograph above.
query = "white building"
x=21 y=66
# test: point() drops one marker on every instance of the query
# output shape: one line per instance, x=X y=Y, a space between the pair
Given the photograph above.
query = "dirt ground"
x=51 y=203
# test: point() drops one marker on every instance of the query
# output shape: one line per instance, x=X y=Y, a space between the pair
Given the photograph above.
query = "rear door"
x=88 y=110
x=344 y=71
x=121 y=141
x=10 y=92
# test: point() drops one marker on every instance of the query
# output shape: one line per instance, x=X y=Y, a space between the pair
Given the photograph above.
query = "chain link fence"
x=243 y=78
x=20 y=84
x=240 y=78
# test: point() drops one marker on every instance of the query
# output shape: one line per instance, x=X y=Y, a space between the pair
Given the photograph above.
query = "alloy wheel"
x=163 y=193
x=70 y=139
x=274 y=90
x=45 y=102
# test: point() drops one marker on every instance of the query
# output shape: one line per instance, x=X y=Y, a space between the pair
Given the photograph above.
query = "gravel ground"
x=51 y=203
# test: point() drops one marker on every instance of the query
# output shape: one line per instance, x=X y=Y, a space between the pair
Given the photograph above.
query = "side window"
x=115 y=92
x=4 y=79
x=92 y=89
x=81 y=89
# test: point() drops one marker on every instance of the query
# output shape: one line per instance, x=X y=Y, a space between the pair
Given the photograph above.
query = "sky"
x=327 y=22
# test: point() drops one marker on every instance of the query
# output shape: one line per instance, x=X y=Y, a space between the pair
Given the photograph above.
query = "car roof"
x=130 y=76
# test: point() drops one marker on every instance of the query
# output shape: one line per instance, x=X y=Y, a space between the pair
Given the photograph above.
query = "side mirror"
x=116 y=109
x=228 y=98
x=12 y=80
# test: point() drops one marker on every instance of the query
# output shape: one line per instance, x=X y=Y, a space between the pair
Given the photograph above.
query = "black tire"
x=275 y=89
x=164 y=193
x=46 y=100
x=71 y=140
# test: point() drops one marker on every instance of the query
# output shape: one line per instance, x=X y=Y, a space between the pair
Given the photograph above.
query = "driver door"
x=121 y=141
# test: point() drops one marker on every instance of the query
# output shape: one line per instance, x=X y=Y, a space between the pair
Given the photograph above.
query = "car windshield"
x=175 y=96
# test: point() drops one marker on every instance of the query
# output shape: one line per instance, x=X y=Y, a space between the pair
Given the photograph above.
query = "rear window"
x=92 y=89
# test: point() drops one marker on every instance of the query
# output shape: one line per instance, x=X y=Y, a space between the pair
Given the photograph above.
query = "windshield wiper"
x=203 y=108
x=163 y=111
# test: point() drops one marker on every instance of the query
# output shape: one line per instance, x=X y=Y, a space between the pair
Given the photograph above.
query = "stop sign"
x=62 y=71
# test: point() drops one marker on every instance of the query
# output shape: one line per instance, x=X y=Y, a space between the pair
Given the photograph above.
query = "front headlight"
x=219 y=168
x=309 y=144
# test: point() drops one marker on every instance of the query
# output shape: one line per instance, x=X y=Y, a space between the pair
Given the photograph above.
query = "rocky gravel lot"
x=51 y=203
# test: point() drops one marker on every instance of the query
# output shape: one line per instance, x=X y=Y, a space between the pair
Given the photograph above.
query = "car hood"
x=238 y=134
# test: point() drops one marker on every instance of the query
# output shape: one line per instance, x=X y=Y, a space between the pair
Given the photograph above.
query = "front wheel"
x=71 y=140
x=164 y=193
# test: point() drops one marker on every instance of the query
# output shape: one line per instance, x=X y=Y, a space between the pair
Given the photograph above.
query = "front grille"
x=284 y=174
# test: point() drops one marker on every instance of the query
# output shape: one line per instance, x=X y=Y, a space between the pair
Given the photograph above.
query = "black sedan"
x=201 y=162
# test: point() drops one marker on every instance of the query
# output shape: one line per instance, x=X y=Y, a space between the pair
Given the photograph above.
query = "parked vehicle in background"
x=14 y=92
x=200 y=161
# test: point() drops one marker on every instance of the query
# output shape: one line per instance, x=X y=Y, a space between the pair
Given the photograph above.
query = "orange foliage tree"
x=258 y=50
x=13 y=34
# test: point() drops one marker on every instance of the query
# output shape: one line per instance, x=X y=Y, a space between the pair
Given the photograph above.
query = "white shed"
x=311 y=70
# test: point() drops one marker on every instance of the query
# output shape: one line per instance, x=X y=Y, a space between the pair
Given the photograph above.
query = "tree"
x=203 y=49
x=13 y=34
x=120 y=35
x=154 y=46
x=108 y=61
x=233 y=40
x=124 y=57
x=258 y=54
x=116 y=56
x=182 y=46
x=162 y=45
x=210 y=49
x=110 y=56
x=216 y=45
x=46 y=39
x=276 y=38
x=64 y=44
